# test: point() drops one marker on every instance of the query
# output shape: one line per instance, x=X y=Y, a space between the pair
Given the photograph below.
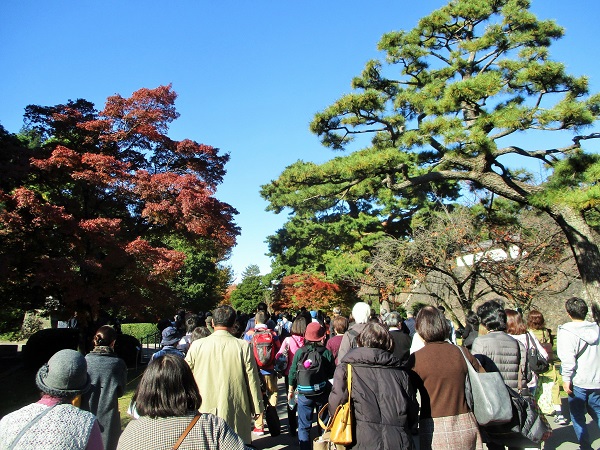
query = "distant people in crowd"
x=515 y=326
x=452 y=332
x=311 y=369
x=360 y=313
x=167 y=400
x=340 y=326
x=471 y=330
x=410 y=323
x=108 y=375
x=439 y=371
x=227 y=375
x=170 y=339
x=578 y=348
x=209 y=322
x=73 y=322
x=163 y=323
x=497 y=351
x=383 y=399
x=199 y=333
x=289 y=348
x=548 y=389
x=402 y=340
x=191 y=323
x=262 y=306
x=336 y=311
x=265 y=363
x=53 y=422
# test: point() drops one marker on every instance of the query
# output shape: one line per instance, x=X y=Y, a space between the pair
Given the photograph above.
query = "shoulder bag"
x=487 y=396
x=536 y=362
x=528 y=426
x=186 y=431
x=340 y=426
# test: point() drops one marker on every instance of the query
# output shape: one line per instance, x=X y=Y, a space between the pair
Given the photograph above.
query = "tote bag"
x=487 y=396
x=340 y=426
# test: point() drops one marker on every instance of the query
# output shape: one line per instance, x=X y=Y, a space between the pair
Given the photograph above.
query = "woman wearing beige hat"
x=53 y=422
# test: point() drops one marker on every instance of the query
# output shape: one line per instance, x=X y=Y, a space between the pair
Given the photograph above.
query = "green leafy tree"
x=250 y=291
x=451 y=103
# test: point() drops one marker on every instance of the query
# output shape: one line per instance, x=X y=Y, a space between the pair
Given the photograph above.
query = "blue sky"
x=249 y=75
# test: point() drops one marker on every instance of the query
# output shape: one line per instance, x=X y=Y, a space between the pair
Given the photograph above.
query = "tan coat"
x=228 y=380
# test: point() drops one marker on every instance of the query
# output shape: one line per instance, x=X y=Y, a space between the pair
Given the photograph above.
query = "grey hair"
x=393 y=319
x=361 y=312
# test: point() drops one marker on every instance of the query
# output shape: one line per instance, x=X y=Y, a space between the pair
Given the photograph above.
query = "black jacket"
x=383 y=399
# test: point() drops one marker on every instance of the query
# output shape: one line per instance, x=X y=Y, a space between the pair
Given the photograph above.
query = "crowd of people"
x=211 y=384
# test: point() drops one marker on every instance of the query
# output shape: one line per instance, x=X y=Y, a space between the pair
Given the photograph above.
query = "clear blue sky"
x=250 y=75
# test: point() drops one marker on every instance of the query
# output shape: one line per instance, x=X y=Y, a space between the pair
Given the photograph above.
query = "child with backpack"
x=265 y=344
x=312 y=368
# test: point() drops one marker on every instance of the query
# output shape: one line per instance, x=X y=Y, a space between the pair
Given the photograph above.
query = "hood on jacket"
x=586 y=331
x=371 y=356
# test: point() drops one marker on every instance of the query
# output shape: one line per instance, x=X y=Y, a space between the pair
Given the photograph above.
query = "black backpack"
x=313 y=373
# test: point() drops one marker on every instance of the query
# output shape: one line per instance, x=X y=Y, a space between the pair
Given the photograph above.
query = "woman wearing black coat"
x=383 y=399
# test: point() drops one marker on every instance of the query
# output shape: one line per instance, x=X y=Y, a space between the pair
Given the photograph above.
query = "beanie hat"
x=314 y=332
x=170 y=336
x=313 y=314
x=64 y=375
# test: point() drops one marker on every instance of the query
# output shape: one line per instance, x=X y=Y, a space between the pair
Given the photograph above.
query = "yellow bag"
x=340 y=427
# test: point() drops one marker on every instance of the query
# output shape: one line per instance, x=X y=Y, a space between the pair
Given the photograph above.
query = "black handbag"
x=536 y=362
x=528 y=426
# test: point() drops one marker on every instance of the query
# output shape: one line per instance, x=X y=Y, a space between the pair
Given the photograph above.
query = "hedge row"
x=138 y=330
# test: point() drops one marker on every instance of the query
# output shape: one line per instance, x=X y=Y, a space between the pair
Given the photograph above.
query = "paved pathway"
x=563 y=436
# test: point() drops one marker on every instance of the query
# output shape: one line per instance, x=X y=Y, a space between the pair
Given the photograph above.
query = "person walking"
x=578 y=348
x=383 y=399
x=227 y=375
x=53 y=422
x=439 y=372
x=167 y=400
x=108 y=374
x=289 y=348
x=265 y=359
x=311 y=369
x=497 y=351
x=361 y=312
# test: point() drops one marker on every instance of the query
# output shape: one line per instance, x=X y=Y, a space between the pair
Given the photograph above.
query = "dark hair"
x=199 y=333
x=262 y=306
x=191 y=323
x=576 y=308
x=375 y=335
x=224 y=316
x=167 y=388
x=472 y=319
x=260 y=318
x=105 y=336
x=298 y=326
x=340 y=324
x=514 y=322
x=535 y=320
x=492 y=316
x=431 y=324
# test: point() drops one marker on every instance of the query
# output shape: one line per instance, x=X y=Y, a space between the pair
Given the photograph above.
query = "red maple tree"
x=309 y=290
x=104 y=192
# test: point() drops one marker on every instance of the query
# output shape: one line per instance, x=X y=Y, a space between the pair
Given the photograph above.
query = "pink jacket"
x=289 y=347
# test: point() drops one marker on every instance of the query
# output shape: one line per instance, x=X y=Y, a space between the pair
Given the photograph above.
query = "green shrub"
x=138 y=330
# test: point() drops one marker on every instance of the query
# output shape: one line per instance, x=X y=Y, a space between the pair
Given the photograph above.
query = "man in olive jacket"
x=229 y=390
